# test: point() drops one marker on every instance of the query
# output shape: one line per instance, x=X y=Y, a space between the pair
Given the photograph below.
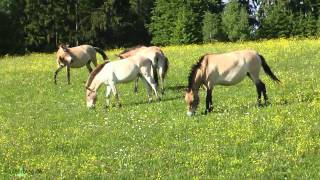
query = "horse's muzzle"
x=189 y=113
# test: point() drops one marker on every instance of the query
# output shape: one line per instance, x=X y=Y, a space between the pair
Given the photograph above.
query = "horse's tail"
x=166 y=66
x=155 y=74
x=102 y=53
x=267 y=69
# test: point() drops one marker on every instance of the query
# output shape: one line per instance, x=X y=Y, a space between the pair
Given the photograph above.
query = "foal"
x=112 y=73
x=77 y=57
x=225 y=69
x=154 y=53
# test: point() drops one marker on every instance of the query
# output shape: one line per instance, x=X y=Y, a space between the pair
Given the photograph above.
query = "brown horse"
x=77 y=57
x=225 y=69
x=154 y=53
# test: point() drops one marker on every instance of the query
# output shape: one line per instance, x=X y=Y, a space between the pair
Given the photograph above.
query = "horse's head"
x=63 y=54
x=91 y=97
x=192 y=100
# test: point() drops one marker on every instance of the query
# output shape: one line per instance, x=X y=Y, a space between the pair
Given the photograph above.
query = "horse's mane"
x=64 y=47
x=130 y=49
x=95 y=72
x=193 y=72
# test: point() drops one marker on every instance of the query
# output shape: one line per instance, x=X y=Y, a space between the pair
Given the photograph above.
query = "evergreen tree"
x=310 y=25
x=184 y=29
x=11 y=29
x=211 y=29
x=170 y=17
x=235 y=21
x=276 y=22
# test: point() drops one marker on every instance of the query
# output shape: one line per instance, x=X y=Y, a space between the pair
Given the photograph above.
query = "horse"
x=226 y=69
x=77 y=57
x=112 y=73
x=159 y=61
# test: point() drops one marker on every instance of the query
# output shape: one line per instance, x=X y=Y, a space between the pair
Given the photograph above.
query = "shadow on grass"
x=154 y=101
x=176 y=88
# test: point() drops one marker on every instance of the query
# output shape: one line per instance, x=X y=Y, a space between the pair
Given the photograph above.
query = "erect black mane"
x=193 y=72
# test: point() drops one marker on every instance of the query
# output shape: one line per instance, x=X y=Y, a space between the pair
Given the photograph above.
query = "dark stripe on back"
x=95 y=72
x=193 y=72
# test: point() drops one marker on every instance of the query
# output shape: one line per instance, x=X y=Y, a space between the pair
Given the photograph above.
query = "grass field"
x=46 y=131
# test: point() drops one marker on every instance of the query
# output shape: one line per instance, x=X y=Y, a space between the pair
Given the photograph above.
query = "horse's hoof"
x=267 y=104
x=260 y=105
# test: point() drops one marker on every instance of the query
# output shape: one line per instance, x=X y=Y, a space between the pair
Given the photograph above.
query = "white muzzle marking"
x=189 y=113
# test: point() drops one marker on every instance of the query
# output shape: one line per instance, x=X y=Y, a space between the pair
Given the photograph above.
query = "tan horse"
x=77 y=57
x=225 y=69
x=112 y=73
x=159 y=61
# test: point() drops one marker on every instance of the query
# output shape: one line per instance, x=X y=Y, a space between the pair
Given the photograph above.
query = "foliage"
x=211 y=28
x=39 y=26
x=235 y=21
x=47 y=132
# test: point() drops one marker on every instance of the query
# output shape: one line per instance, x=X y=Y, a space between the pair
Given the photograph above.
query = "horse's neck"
x=96 y=83
x=198 y=80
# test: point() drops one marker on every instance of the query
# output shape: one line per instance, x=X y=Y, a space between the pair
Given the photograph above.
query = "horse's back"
x=121 y=71
x=230 y=68
x=82 y=55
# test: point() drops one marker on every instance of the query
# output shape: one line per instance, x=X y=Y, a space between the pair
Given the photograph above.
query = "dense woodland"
x=40 y=25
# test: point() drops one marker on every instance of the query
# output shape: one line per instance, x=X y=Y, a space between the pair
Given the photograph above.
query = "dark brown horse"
x=77 y=57
x=225 y=69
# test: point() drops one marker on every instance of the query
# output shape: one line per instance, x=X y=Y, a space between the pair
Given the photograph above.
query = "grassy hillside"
x=47 y=132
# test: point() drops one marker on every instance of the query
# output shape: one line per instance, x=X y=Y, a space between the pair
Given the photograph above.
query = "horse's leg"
x=153 y=85
x=68 y=73
x=56 y=73
x=261 y=88
x=108 y=92
x=209 y=100
x=148 y=89
x=89 y=67
x=94 y=61
x=114 y=91
x=136 y=85
x=264 y=92
x=161 y=74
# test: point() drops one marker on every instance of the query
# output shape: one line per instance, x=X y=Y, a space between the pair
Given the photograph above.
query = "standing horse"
x=225 y=69
x=112 y=73
x=154 y=53
x=77 y=57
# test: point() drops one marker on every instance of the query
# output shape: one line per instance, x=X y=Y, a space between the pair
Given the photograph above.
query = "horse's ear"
x=89 y=89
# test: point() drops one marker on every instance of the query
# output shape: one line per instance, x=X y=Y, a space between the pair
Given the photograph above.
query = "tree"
x=185 y=30
x=211 y=29
x=235 y=21
x=172 y=20
x=277 y=21
x=11 y=29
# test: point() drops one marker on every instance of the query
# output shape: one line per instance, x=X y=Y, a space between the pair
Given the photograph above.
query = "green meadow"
x=46 y=131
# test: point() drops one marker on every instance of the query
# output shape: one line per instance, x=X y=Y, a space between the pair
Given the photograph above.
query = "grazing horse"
x=159 y=61
x=77 y=57
x=112 y=73
x=225 y=69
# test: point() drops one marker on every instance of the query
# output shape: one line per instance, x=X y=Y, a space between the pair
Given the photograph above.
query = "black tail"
x=155 y=75
x=166 y=66
x=267 y=69
x=100 y=51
